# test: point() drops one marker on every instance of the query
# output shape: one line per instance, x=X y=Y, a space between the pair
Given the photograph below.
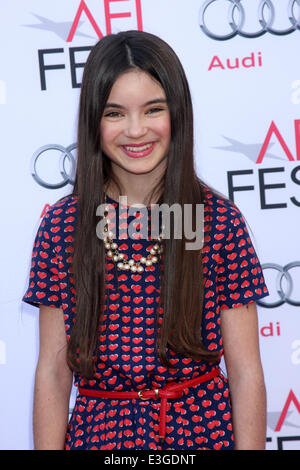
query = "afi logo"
x=256 y=153
x=83 y=8
x=274 y=130
x=75 y=64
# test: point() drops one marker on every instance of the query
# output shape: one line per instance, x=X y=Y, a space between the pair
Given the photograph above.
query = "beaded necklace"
x=119 y=258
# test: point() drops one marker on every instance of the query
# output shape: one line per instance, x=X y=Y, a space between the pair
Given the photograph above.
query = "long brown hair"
x=181 y=290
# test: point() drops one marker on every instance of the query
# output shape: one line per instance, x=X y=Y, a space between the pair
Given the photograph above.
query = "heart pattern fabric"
x=126 y=353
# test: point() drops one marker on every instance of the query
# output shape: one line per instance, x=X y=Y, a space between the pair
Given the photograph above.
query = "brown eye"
x=154 y=110
x=112 y=114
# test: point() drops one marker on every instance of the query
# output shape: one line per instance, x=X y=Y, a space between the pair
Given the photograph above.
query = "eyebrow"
x=156 y=101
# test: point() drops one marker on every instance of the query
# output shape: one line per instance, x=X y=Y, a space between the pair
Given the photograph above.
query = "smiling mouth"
x=138 y=148
x=138 y=151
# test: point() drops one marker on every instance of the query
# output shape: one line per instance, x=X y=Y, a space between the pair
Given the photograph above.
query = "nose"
x=135 y=128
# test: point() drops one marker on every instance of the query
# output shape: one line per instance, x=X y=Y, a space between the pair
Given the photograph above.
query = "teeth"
x=138 y=149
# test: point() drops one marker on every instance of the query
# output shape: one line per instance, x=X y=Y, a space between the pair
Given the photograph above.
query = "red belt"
x=171 y=390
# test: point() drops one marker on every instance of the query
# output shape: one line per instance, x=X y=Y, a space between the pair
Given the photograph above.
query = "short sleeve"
x=43 y=285
x=240 y=276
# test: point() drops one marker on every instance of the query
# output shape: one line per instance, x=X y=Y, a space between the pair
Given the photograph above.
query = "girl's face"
x=135 y=126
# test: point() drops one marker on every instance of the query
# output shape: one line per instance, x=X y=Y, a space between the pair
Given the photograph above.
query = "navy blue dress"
x=127 y=359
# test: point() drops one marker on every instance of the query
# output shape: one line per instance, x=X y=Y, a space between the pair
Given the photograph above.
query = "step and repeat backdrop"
x=242 y=62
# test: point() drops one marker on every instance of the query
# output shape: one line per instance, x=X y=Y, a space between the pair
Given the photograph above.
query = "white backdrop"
x=246 y=95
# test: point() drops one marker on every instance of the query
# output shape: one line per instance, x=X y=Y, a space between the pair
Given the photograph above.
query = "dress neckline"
x=110 y=200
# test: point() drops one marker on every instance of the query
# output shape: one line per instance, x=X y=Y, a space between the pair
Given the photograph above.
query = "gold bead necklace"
x=119 y=258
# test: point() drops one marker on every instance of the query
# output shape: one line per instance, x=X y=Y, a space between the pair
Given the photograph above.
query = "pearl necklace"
x=119 y=258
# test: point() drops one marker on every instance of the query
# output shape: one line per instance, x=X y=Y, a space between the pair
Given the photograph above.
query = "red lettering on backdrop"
x=83 y=8
x=45 y=209
x=273 y=129
x=297 y=137
x=291 y=398
x=139 y=15
x=216 y=62
x=108 y=17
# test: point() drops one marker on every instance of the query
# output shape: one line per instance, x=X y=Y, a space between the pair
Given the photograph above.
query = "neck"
x=137 y=188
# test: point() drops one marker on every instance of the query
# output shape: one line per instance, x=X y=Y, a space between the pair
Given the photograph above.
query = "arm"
x=53 y=382
x=239 y=328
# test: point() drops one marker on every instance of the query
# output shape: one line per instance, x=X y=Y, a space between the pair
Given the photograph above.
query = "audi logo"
x=284 y=293
x=65 y=155
x=236 y=19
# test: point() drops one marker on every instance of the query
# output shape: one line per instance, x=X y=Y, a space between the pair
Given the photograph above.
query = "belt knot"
x=146 y=394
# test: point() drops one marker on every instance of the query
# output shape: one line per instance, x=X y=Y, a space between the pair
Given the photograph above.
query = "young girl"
x=141 y=323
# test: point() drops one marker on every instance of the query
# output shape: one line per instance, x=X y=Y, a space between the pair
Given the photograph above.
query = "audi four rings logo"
x=65 y=155
x=284 y=293
x=236 y=19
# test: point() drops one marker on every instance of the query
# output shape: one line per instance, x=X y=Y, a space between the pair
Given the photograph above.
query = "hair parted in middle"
x=181 y=290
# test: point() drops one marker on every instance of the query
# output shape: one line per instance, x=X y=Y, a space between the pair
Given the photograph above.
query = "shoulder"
x=222 y=210
x=59 y=221
x=61 y=210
